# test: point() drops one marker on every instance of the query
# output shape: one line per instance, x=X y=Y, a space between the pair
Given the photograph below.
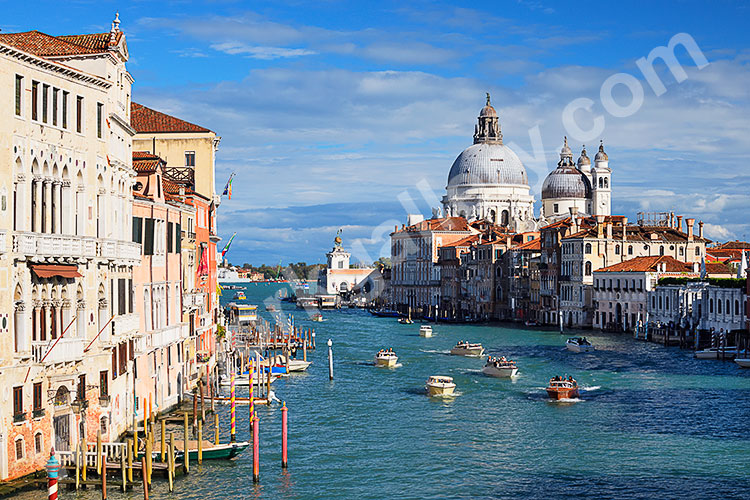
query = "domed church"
x=577 y=185
x=488 y=181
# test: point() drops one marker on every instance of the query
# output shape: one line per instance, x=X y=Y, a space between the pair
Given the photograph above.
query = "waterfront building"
x=715 y=306
x=452 y=283
x=338 y=276
x=189 y=151
x=523 y=277
x=611 y=240
x=488 y=181
x=620 y=291
x=415 y=275
x=68 y=327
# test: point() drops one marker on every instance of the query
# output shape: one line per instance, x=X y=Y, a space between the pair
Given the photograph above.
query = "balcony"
x=166 y=336
x=19 y=417
x=38 y=413
x=70 y=246
x=126 y=323
x=65 y=351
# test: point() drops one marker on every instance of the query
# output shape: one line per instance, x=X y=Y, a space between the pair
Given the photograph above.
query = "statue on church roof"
x=337 y=240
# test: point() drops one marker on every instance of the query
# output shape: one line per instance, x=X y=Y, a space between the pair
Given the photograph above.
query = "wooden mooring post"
x=185 y=455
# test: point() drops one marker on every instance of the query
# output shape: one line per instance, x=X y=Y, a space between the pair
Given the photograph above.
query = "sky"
x=342 y=114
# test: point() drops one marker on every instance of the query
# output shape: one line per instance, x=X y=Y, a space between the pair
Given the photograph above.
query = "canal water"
x=650 y=423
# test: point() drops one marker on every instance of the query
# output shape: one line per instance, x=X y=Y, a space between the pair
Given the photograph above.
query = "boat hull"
x=220 y=452
x=729 y=353
x=425 y=333
x=467 y=351
x=558 y=394
x=386 y=361
x=493 y=371
x=743 y=362
x=441 y=390
x=579 y=348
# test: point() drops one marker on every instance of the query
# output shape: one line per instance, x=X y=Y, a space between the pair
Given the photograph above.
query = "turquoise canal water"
x=650 y=423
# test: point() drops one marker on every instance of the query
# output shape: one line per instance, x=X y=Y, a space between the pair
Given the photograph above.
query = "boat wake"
x=590 y=387
x=434 y=351
x=566 y=400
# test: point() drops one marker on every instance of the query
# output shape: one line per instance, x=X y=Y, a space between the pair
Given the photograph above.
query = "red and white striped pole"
x=284 y=410
x=53 y=467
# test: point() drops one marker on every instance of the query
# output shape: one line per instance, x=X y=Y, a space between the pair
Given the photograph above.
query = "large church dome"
x=487 y=163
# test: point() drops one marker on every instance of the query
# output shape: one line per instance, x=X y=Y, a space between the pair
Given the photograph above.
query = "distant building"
x=338 y=277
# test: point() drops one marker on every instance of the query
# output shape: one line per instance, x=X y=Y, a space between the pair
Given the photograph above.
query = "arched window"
x=718 y=306
x=660 y=302
x=601 y=182
x=728 y=310
x=606 y=182
x=736 y=307
x=711 y=305
x=617 y=249
x=588 y=268
x=505 y=218
x=588 y=247
x=38 y=443
x=661 y=250
x=698 y=251
x=666 y=302
x=630 y=249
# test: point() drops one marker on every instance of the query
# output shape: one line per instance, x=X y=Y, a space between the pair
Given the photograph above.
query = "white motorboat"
x=464 y=348
x=245 y=380
x=500 y=368
x=295 y=365
x=743 y=362
x=578 y=344
x=425 y=331
x=716 y=353
x=386 y=358
x=439 y=385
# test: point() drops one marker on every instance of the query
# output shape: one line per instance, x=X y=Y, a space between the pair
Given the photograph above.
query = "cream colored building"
x=67 y=324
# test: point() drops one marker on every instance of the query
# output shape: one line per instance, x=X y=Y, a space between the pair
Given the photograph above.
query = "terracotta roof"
x=641 y=233
x=734 y=245
x=646 y=264
x=535 y=244
x=713 y=268
x=465 y=242
x=44 y=45
x=147 y=120
x=145 y=162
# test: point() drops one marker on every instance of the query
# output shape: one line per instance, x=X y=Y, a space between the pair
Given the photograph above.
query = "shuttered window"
x=178 y=234
x=148 y=237
x=121 y=296
x=170 y=239
x=137 y=229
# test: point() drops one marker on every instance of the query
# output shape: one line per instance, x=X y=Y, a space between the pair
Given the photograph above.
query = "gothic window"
x=505 y=218
x=617 y=249
x=19 y=448
x=661 y=250
x=588 y=268
x=630 y=249
x=588 y=247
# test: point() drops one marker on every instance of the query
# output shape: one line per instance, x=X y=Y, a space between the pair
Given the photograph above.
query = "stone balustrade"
x=71 y=246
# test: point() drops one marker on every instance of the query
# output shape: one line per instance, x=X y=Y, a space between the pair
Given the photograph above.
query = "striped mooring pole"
x=53 y=467
x=233 y=438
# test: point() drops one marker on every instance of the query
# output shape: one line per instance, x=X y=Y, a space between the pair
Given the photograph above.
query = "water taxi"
x=386 y=357
x=500 y=368
x=716 y=353
x=405 y=321
x=425 y=331
x=439 y=385
x=317 y=317
x=464 y=348
x=562 y=388
x=240 y=296
x=578 y=344
x=271 y=308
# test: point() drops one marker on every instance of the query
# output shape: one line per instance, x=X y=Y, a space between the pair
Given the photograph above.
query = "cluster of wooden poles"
x=297 y=336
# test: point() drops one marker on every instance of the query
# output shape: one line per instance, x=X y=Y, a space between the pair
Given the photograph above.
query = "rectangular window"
x=65 y=109
x=121 y=296
x=19 y=448
x=99 y=117
x=169 y=356
x=55 y=96
x=123 y=354
x=103 y=384
x=34 y=100
x=19 y=94
x=37 y=396
x=18 y=403
x=130 y=303
x=137 y=229
x=79 y=114
x=45 y=97
x=178 y=238
x=81 y=389
x=189 y=158
x=148 y=237
x=114 y=364
x=170 y=229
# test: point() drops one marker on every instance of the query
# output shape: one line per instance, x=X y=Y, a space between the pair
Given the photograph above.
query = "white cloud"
x=259 y=51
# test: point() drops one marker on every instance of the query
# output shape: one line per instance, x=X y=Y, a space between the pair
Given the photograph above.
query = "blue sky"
x=333 y=113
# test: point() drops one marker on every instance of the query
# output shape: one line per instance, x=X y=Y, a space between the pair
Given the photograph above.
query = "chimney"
x=574 y=218
x=609 y=230
x=624 y=231
x=679 y=223
x=600 y=226
x=696 y=267
x=671 y=219
x=690 y=223
x=508 y=241
x=700 y=229
x=480 y=238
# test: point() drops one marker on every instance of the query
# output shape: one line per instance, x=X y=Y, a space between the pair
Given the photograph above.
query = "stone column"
x=66 y=317
x=81 y=320
x=103 y=320
x=37 y=215
x=80 y=211
x=56 y=207
x=22 y=340
x=67 y=213
x=47 y=215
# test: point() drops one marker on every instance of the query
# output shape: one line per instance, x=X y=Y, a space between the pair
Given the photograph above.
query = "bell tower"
x=601 y=180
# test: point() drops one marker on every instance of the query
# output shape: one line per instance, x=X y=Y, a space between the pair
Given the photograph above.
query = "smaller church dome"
x=601 y=155
x=584 y=160
x=566 y=182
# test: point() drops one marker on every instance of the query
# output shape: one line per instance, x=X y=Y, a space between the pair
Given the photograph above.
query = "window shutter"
x=137 y=229
x=178 y=234
x=170 y=229
x=121 y=299
x=148 y=238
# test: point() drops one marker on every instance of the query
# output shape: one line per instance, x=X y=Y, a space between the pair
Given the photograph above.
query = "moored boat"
x=562 y=388
x=425 y=331
x=405 y=321
x=578 y=344
x=500 y=368
x=716 y=353
x=386 y=357
x=743 y=362
x=465 y=348
x=215 y=452
x=440 y=385
x=240 y=296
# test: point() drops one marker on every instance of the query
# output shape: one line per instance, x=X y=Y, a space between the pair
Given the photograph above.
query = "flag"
x=228 y=187
x=219 y=289
x=226 y=248
x=703 y=268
